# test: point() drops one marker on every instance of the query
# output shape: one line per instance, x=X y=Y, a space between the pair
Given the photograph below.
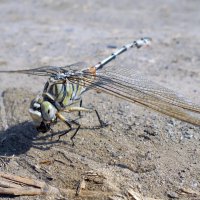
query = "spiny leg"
x=102 y=123
x=67 y=131
x=76 y=131
x=69 y=124
x=79 y=109
x=90 y=110
x=79 y=112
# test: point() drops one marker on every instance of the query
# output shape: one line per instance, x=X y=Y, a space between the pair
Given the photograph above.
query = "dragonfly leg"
x=76 y=131
x=79 y=112
x=79 y=109
x=69 y=124
x=102 y=123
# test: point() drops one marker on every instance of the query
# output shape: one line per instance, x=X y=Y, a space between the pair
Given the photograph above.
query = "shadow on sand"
x=18 y=139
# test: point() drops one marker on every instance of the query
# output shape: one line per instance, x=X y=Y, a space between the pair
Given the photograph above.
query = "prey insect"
x=66 y=85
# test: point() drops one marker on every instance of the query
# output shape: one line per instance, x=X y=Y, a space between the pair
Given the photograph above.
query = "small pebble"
x=172 y=194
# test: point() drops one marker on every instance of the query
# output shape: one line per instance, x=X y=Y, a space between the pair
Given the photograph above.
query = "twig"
x=21 y=191
x=26 y=181
x=17 y=185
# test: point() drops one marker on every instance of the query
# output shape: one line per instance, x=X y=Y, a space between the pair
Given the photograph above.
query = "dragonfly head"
x=43 y=114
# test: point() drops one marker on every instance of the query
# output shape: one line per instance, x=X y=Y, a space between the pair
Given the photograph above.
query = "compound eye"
x=48 y=111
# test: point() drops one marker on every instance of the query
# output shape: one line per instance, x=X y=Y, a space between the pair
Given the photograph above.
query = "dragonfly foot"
x=73 y=136
x=103 y=124
x=64 y=133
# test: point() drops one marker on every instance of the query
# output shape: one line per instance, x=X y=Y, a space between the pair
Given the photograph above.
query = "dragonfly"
x=65 y=86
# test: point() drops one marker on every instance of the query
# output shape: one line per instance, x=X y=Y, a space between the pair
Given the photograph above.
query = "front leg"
x=69 y=124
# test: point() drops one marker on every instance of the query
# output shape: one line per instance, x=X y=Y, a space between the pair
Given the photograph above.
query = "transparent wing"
x=48 y=70
x=138 y=89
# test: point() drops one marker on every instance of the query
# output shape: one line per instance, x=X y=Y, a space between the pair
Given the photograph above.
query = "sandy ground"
x=151 y=153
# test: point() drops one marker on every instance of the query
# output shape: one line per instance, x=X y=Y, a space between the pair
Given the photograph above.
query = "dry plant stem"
x=21 y=191
x=26 y=181
x=7 y=184
x=16 y=185
x=88 y=194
